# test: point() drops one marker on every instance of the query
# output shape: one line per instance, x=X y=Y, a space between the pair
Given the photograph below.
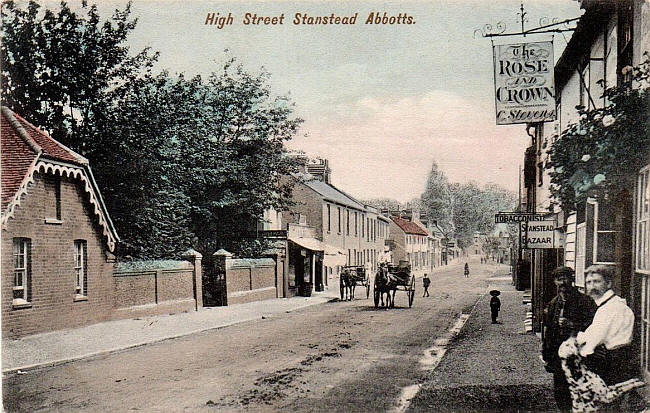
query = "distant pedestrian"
x=495 y=305
x=426 y=282
x=466 y=270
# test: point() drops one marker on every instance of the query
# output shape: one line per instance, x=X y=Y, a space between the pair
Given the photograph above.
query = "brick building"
x=347 y=231
x=410 y=242
x=57 y=237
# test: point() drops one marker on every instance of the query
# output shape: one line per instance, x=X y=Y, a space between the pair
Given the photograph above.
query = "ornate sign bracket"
x=546 y=25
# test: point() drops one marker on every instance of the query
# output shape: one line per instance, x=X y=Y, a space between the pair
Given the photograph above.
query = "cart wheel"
x=411 y=297
x=376 y=298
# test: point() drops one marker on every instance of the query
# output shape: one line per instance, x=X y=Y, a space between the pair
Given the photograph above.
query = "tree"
x=385 y=203
x=61 y=69
x=237 y=156
x=437 y=200
x=181 y=162
x=462 y=209
x=475 y=207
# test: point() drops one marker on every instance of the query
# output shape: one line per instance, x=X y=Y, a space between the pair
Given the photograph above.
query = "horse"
x=589 y=392
x=347 y=286
x=383 y=285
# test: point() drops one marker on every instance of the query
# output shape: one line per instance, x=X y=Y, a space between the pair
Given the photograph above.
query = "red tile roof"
x=20 y=144
x=409 y=227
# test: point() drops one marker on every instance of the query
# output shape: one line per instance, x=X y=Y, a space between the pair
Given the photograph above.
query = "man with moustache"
x=567 y=314
x=606 y=342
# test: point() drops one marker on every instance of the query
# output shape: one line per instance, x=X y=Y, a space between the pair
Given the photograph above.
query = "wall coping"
x=152 y=265
x=250 y=263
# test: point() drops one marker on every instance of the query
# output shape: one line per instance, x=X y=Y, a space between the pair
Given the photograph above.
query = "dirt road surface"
x=339 y=356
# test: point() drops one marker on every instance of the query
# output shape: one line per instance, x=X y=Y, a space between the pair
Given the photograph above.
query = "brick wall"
x=53 y=305
x=153 y=287
x=308 y=203
x=251 y=279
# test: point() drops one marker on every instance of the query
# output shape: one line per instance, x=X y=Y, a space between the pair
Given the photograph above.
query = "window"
x=57 y=195
x=363 y=221
x=355 y=224
x=329 y=217
x=625 y=44
x=22 y=271
x=368 y=231
x=339 y=210
x=53 y=205
x=81 y=267
x=584 y=81
x=642 y=260
x=642 y=243
x=604 y=234
x=347 y=223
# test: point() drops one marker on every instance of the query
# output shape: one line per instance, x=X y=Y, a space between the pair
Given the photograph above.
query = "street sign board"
x=538 y=234
x=523 y=83
x=515 y=217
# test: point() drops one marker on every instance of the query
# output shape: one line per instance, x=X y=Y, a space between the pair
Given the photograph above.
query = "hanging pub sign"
x=524 y=83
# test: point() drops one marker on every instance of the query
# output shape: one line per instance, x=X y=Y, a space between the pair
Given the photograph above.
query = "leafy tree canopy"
x=181 y=162
x=462 y=209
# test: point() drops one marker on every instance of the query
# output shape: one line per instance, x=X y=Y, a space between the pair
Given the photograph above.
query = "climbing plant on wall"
x=599 y=155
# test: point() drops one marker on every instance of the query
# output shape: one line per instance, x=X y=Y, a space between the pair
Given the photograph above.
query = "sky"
x=380 y=102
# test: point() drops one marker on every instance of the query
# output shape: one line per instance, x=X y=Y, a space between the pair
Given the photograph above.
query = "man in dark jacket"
x=567 y=314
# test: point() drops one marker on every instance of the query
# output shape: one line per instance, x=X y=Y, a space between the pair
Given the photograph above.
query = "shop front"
x=305 y=261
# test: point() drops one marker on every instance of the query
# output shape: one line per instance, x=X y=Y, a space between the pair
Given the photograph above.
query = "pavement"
x=490 y=367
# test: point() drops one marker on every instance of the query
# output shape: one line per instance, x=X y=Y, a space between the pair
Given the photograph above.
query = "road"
x=339 y=356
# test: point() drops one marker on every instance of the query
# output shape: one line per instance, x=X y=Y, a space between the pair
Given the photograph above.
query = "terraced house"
x=410 y=242
x=347 y=231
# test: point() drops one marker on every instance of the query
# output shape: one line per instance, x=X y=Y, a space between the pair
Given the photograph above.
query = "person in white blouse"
x=606 y=342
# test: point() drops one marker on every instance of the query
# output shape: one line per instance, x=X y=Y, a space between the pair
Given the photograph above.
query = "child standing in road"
x=426 y=282
x=495 y=305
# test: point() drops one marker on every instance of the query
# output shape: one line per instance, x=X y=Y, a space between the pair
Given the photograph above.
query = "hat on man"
x=564 y=272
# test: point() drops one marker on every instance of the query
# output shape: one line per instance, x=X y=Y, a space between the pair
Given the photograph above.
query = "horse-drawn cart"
x=391 y=278
x=353 y=276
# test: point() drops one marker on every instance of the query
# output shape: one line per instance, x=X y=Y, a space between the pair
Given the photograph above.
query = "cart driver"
x=387 y=256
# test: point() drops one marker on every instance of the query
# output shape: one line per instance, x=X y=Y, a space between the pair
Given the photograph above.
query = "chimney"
x=320 y=169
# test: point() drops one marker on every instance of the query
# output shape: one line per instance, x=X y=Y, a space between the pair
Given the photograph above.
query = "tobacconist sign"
x=524 y=84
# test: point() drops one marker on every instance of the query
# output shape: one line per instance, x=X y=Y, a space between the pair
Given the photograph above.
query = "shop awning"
x=309 y=243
